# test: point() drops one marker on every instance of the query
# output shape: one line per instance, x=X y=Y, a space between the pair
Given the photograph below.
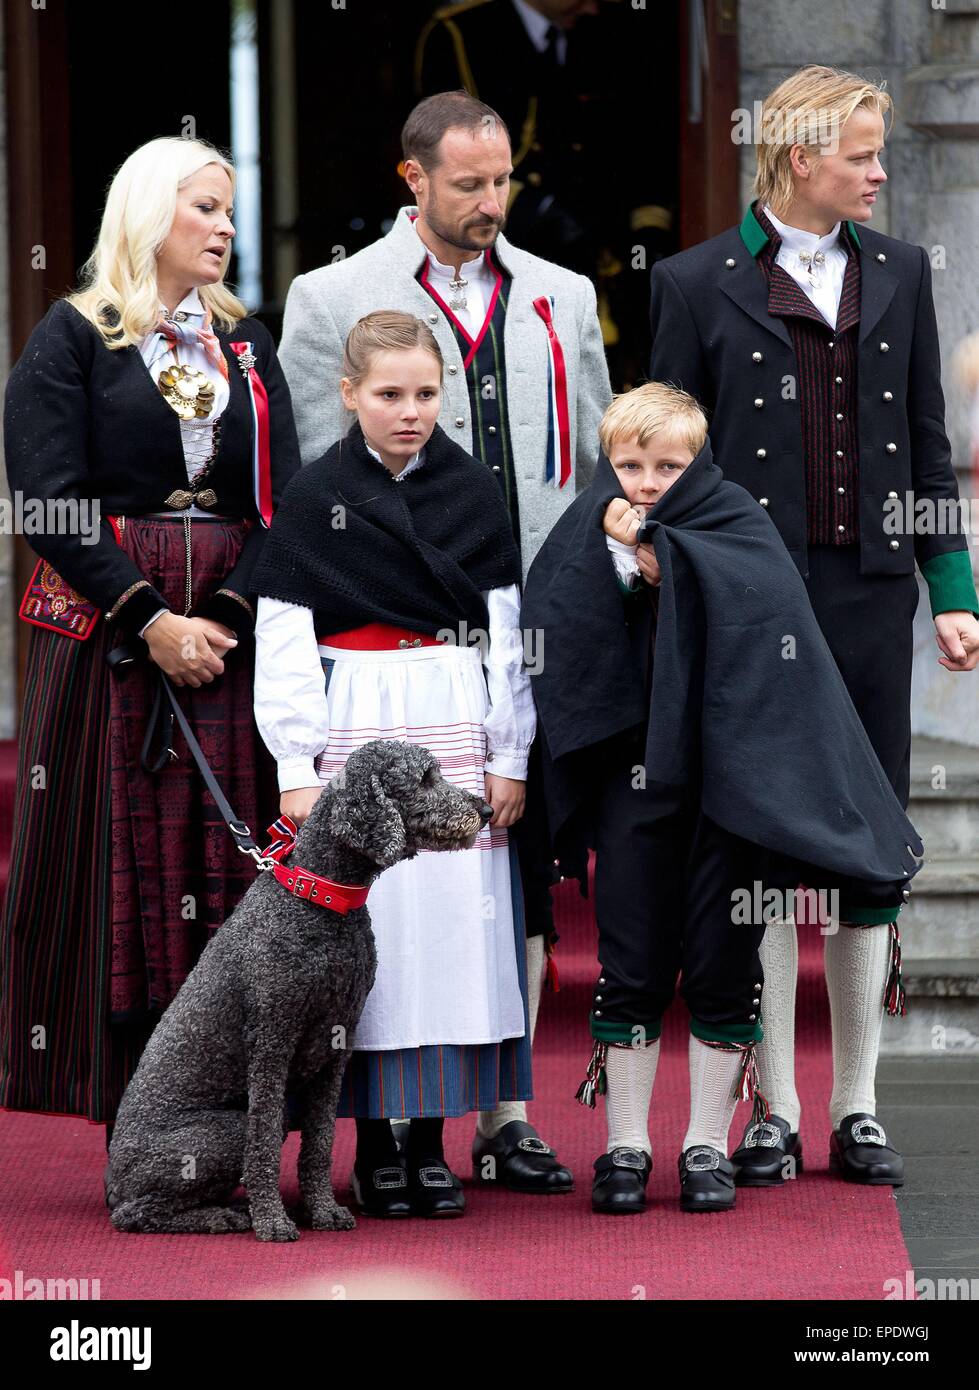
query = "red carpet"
x=815 y=1238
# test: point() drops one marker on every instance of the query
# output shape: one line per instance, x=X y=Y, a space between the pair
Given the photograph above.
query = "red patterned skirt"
x=117 y=875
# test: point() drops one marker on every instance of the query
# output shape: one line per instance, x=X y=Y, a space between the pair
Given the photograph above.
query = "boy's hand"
x=299 y=803
x=648 y=564
x=506 y=796
x=622 y=522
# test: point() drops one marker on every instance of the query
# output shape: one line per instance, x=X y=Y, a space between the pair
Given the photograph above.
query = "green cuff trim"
x=727 y=1032
x=626 y=590
x=951 y=587
x=607 y=1030
x=871 y=916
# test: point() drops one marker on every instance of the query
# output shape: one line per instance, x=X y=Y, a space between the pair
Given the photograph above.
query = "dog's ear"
x=365 y=819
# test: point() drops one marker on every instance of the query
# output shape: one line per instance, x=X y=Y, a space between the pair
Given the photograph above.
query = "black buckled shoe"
x=859 y=1151
x=761 y=1159
x=706 y=1180
x=382 y=1191
x=519 y=1159
x=619 y=1188
x=435 y=1191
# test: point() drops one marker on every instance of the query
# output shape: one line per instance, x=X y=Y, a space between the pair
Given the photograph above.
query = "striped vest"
x=485 y=368
x=827 y=387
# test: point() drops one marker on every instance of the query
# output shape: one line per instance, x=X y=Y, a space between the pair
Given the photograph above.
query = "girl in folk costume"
x=389 y=555
x=151 y=402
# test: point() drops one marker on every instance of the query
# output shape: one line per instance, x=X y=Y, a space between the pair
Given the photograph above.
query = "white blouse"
x=291 y=708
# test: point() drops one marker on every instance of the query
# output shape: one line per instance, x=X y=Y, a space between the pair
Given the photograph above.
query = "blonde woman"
x=151 y=397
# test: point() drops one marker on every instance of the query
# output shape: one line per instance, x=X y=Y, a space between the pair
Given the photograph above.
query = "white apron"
x=443 y=923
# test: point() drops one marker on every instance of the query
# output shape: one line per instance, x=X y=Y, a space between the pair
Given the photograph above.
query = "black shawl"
x=357 y=546
x=747 y=707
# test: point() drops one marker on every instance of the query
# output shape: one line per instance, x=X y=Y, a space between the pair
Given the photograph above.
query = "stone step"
x=942 y=918
x=946 y=816
x=943 y=1009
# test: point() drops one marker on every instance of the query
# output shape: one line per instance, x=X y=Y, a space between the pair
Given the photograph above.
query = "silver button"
x=839 y=381
x=598 y=999
x=763 y=501
x=759 y=402
x=491 y=429
x=841 y=529
x=402 y=641
x=888 y=395
x=757 y=357
x=598 y=1013
x=881 y=257
x=906 y=894
x=831 y=343
x=453 y=369
x=892 y=448
x=460 y=421
x=885 y=347
x=416 y=641
x=729 y=263
x=757 y=986
x=839 y=416
x=433 y=318
x=751 y=1018
x=839 y=453
x=892 y=497
x=756 y=1001
x=841 y=491
x=761 y=454
x=496 y=468
x=895 y=545
x=601 y=979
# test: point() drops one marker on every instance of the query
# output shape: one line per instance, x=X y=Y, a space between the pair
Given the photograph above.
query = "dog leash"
x=301 y=883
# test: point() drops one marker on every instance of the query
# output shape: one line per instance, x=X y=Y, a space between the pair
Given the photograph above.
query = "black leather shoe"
x=435 y=1191
x=761 y=1159
x=860 y=1152
x=619 y=1188
x=706 y=1180
x=518 y=1158
x=382 y=1191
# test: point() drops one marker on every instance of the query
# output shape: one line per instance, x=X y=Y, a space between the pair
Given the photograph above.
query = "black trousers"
x=867 y=622
x=532 y=837
x=664 y=895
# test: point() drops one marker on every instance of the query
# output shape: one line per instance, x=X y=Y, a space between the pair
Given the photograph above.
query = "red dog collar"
x=314 y=888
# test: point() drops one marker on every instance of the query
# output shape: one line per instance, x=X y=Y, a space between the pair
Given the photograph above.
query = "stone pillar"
x=929 y=57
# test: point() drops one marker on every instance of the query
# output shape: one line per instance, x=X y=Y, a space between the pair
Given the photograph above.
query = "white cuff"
x=158 y=614
x=297 y=772
x=508 y=762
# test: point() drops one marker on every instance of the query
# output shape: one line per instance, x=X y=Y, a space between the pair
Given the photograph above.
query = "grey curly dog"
x=271 y=1005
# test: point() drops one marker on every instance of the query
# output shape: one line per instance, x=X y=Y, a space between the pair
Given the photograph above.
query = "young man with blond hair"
x=811 y=341
x=664 y=715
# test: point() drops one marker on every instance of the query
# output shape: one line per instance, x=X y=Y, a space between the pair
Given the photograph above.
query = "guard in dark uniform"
x=580 y=86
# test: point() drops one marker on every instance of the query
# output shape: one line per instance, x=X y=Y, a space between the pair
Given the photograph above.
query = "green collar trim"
x=755 y=237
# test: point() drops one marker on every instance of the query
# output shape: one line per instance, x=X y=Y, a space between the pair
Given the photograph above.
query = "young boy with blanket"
x=697 y=733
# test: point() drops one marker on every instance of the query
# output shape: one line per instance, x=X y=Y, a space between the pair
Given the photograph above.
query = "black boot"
x=619 y=1188
x=433 y=1189
x=706 y=1179
x=379 y=1181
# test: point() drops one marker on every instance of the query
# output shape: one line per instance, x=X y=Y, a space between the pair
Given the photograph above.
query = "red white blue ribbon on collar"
x=283 y=832
x=261 y=456
x=302 y=883
x=558 y=468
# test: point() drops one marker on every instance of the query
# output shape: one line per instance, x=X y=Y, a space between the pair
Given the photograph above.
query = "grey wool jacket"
x=323 y=305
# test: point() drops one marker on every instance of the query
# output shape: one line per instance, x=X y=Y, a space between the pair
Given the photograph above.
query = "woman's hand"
x=506 y=796
x=189 y=650
x=297 y=804
x=622 y=521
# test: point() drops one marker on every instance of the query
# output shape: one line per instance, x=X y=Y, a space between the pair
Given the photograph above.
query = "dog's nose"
x=486 y=813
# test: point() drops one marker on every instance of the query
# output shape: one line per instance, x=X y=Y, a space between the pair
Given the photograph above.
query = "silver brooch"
x=246 y=361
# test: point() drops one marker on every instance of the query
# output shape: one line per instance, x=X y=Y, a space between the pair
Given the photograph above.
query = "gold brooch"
x=187 y=391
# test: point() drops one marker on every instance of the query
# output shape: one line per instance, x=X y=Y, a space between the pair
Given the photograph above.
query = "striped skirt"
x=444 y=1029
x=116 y=876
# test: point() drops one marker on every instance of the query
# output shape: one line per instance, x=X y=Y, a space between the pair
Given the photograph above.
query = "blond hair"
x=654 y=408
x=385 y=330
x=120 y=274
x=809 y=108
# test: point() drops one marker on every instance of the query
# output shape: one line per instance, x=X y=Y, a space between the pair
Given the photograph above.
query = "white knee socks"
x=490 y=1122
x=713 y=1075
x=857 y=962
x=779 y=955
x=631 y=1072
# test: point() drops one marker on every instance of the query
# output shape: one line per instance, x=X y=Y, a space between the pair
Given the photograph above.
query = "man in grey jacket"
x=526 y=384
